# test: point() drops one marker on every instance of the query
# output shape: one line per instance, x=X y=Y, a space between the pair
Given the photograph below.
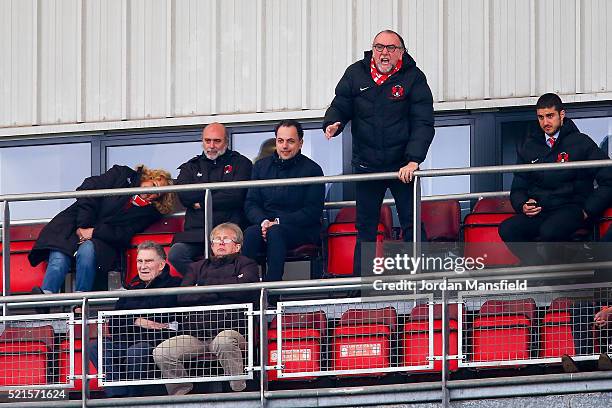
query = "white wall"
x=78 y=65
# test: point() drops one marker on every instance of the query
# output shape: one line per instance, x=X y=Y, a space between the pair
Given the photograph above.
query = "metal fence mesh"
x=205 y=343
x=345 y=337
x=309 y=339
x=513 y=329
x=29 y=352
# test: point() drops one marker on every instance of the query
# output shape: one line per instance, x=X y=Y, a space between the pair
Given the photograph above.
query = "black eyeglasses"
x=391 y=48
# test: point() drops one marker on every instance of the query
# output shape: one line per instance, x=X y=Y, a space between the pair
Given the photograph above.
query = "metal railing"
x=314 y=286
x=357 y=339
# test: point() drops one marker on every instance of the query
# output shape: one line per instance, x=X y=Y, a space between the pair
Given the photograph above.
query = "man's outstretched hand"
x=331 y=130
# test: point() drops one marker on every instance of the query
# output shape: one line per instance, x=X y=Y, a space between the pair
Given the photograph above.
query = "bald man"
x=216 y=163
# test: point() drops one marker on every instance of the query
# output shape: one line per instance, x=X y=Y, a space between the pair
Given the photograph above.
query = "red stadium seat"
x=349 y=214
x=557 y=336
x=502 y=329
x=481 y=236
x=415 y=345
x=605 y=222
x=341 y=241
x=161 y=232
x=493 y=205
x=342 y=237
x=25 y=354
x=442 y=220
x=362 y=340
x=302 y=335
x=23 y=276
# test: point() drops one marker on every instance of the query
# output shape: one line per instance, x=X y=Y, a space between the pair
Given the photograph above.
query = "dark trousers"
x=123 y=362
x=557 y=225
x=369 y=197
x=583 y=316
x=183 y=254
x=279 y=239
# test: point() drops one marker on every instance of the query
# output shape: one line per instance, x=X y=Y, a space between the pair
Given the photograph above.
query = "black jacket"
x=113 y=225
x=553 y=189
x=228 y=205
x=122 y=328
x=226 y=270
x=301 y=206
x=392 y=124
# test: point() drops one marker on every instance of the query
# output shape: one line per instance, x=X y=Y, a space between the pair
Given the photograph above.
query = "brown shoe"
x=569 y=365
x=604 y=363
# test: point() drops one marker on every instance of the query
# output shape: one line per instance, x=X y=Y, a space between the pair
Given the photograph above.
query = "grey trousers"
x=227 y=346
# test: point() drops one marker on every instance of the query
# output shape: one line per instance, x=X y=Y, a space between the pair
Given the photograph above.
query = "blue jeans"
x=59 y=265
x=122 y=363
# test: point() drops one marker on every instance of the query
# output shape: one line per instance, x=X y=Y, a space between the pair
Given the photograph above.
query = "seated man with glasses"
x=219 y=332
x=386 y=98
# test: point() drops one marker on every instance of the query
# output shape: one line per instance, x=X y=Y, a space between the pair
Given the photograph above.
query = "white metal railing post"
x=445 y=346
x=84 y=353
x=263 y=347
x=208 y=221
x=416 y=221
x=6 y=254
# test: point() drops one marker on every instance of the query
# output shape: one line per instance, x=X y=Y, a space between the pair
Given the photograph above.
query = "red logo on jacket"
x=397 y=92
x=227 y=169
x=562 y=157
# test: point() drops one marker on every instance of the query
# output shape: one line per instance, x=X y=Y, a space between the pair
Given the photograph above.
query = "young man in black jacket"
x=390 y=105
x=283 y=217
x=216 y=164
x=552 y=205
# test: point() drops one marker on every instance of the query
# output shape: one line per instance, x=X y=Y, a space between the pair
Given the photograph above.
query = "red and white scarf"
x=137 y=201
x=381 y=78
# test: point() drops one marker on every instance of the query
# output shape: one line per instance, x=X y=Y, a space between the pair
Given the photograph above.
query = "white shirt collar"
x=555 y=136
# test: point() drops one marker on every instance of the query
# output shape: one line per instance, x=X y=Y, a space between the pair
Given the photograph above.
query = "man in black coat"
x=216 y=164
x=390 y=105
x=128 y=345
x=94 y=229
x=552 y=205
x=283 y=217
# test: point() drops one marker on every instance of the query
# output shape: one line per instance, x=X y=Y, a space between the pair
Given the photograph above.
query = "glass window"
x=599 y=129
x=167 y=156
x=450 y=148
x=327 y=153
x=48 y=168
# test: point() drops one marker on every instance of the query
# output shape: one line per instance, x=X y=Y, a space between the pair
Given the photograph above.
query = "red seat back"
x=349 y=215
x=308 y=320
x=23 y=275
x=442 y=220
x=493 y=205
x=605 y=222
x=524 y=307
x=161 y=232
x=384 y=316
x=421 y=312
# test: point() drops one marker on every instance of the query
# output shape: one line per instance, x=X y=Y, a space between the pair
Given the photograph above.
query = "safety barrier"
x=29 y=353
x=358 y=336
x=187 y=335
x=539 y=327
